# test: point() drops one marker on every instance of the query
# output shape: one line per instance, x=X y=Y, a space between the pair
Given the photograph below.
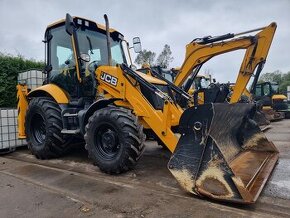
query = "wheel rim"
x=107 y=141
x=38 y=128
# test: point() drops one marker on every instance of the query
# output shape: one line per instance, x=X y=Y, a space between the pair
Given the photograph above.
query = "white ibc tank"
x=8 y=130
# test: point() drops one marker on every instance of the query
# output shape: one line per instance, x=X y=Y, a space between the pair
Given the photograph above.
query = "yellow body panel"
x=22 y=105
x=54 y=91
x=267 y=108
x=279 y=97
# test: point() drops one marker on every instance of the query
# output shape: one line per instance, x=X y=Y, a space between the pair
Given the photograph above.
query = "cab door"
x=62 y=61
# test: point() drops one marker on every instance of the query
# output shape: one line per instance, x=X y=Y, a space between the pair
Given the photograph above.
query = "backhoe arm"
x=255 y=55
x=200 y=51
x=197 y=54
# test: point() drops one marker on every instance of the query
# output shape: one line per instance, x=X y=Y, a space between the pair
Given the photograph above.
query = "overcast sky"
x=175 y=22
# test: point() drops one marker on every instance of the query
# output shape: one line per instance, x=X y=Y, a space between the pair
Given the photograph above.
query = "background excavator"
x=256 y=50
x=91 y=93
x=203 y=49
x=273 y=103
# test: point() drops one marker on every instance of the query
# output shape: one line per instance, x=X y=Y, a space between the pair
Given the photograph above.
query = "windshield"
x=95 y=44
x=61 y=57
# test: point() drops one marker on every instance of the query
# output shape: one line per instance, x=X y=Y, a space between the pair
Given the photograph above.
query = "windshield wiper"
x=90 y=44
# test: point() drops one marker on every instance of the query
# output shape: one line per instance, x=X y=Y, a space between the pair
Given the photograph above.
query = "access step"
x=71 y=131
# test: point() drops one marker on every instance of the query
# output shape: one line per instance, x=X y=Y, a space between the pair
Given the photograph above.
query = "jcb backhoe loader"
x=91 y=93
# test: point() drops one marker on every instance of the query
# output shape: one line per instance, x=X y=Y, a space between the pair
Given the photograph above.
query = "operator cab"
x=76 y=47
x=201 y=82
x=265 y=91
x=267 y=94
x=72 y=58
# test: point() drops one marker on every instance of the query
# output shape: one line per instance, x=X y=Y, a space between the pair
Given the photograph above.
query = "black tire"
x=114 y=139
x=43 y=125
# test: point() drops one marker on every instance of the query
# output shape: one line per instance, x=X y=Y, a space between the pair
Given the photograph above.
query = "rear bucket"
x=222 y=153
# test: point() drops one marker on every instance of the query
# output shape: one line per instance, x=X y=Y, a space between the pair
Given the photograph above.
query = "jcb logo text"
x=109 y=79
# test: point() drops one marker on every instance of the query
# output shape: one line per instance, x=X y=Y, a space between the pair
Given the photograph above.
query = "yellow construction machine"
x=90 y=92
x=201 y=50
x=273 y=103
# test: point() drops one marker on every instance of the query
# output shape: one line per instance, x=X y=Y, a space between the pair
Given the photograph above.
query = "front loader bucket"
x=222 y=153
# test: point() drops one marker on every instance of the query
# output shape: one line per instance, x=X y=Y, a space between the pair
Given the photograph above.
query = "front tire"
x=114 y=139
x=43 y=125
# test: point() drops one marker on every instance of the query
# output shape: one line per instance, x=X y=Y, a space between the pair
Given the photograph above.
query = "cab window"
x=266 y=89
x=62 y=61
x=258 y=90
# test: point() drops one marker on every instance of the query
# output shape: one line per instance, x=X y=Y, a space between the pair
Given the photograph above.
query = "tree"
x=164 y=57
x=145 y=57
x=275 y=76
x=285 y=82
x=283 y=79
x=9 y=68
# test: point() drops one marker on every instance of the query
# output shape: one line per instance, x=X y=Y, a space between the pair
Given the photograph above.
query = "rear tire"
x=43 y=125
x=114 y=139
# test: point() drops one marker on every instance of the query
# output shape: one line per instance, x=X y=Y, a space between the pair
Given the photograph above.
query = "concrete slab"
x=119 y=196
x=147 y=191
x=24 y=199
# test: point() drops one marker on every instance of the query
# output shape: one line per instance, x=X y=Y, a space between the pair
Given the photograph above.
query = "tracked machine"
x=91 y=93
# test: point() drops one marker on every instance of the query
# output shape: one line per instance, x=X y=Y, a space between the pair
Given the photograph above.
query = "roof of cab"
x=100 y=26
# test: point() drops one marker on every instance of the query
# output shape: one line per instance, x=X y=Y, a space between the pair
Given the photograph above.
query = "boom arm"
x=257 y=47
x=255 y=55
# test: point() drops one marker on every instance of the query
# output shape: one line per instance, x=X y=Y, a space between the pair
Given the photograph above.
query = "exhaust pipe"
x=108 y=40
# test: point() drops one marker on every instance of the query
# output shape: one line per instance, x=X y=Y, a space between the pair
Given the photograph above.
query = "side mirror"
x=137 y=44
x=69 y=24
